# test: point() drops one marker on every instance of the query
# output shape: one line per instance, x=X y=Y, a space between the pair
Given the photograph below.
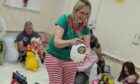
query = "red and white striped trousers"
x=60 y=71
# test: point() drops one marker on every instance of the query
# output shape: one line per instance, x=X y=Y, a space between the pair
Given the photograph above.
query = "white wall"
x=68 y=6
x=43 y=21
x=116 y=25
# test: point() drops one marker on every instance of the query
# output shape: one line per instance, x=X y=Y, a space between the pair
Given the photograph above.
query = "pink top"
x=88 y=62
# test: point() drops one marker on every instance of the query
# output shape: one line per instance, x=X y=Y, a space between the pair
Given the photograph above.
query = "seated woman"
x=84 y=67
x=128 y=74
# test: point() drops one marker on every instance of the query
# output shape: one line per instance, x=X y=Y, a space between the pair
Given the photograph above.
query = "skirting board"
x=116 y=59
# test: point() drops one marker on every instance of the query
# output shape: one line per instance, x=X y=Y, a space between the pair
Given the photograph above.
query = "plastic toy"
x=106 y=79
x=17 y=78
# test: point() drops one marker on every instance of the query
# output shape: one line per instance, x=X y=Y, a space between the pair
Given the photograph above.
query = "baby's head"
x=35 y=41
x=132 y=79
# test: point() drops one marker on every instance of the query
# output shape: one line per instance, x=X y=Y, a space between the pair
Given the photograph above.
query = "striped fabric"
x=60 y=71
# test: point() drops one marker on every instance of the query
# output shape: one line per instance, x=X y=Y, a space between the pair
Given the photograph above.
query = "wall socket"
x=136 y=38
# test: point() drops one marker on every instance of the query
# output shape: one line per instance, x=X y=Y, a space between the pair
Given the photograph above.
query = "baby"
x=132 y=79
x=36 y=44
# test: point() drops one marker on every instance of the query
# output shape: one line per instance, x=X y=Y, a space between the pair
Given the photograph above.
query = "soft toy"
x=31 y=62
x=106 y=79
x=11 y=54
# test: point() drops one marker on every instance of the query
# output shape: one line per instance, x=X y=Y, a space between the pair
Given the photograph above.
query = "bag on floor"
x=94 y=77
x=17 y=78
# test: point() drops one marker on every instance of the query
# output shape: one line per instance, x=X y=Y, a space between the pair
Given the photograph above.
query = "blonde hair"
x=79 y=5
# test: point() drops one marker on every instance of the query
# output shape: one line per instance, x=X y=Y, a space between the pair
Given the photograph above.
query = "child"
x=132 y=79
x=36 y=44
x=95 y=46
x=128 y=74
x=84 y=67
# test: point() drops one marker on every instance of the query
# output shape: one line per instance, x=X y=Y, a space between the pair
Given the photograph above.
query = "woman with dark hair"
x=128 y=69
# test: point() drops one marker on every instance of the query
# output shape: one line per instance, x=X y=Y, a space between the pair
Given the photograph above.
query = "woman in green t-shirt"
x=70 y=30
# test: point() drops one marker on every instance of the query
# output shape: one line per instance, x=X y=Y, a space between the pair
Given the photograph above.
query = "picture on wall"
x=24 y=4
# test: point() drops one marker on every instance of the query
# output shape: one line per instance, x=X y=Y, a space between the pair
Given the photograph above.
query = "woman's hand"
x=75 y=41
x=88 y=51
x=90 y=54
x=80 y=63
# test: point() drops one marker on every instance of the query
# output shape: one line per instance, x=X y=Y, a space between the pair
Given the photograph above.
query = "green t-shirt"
x=64 y=53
